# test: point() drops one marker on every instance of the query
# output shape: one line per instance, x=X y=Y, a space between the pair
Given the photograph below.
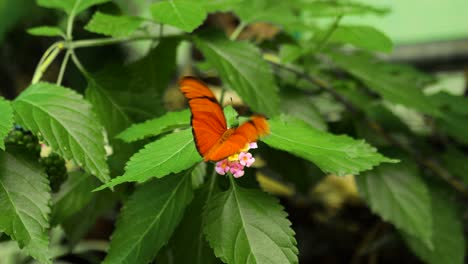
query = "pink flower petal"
x=238 y=174
x=222 y=167
x=253 y=145
x=246 y=159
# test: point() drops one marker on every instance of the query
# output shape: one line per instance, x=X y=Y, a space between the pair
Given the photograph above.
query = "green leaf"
x=115 y=26
x=454 y=125
x=241 y=67
x=273 y=11
x=186 y=15
x=379 y=79
x=156 y=126
x=302 y=107
x=446 y=101
x=6 y=120
x=67 y=124
x=249 y=226
x=457 y=163
x=198 y=175
x=398 y=194
x=24 y=202
x=46 y=31
x=231 y=116
x=188 y=244
x=170 y=154
x=74 y=195
x=123 y=95
x=69 y=5
x=220 y=5
x=148 y=220
x=340 y=155
x=289 y=53
x=447 y=228
x=78 y=225
x=365 y=37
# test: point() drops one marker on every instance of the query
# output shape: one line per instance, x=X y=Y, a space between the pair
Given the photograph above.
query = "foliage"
x=125 y=141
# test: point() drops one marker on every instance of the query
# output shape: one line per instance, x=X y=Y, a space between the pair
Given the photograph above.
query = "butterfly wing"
x=208 y=121
x=248 y=132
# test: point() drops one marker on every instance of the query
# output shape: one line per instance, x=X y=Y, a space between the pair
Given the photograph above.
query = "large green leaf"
x=6 y=120
x=69 y=5
x=379 y=78
x=457 y=163
x=46 y=31
x=220 y=5
x=302 y=107
x=154 y=127
x=76 y=226
x=447 y=229
x=148 y=219
x=365 y=37
x=115 y=26
x=123 y=95
x=398 y=194
x=67 y=124
x=24 y=203
x=274 y=11
x=74 y=195
x=170 y=154
x=340 y=155
x=446 y=101
x=454 y=125
x=241 y=67
x=188 y=243
x=249 y=226
x=186 y=15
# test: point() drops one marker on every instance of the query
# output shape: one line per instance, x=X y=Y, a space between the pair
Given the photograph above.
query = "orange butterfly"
x=213 y=139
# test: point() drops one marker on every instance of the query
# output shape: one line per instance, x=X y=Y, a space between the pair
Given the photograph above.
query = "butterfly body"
x=213 y=139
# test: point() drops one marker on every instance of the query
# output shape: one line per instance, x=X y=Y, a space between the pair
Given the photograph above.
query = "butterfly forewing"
x=208 y=122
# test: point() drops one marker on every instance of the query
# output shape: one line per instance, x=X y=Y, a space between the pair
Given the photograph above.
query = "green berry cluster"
x=53 y=164
x=25 y=138
x=55 y=168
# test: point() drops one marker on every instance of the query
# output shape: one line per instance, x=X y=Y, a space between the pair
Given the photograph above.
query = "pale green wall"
x=417 y=21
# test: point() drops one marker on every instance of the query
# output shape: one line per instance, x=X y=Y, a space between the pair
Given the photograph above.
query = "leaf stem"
x=78 y=64
x=328 y=34
x=235 y=34
x=232 y=180
x=63 y=67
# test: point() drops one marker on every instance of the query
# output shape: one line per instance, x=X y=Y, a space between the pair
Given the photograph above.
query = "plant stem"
x=223 y=93
x=44 y=64
x=106 y=41
x=71 y=19
x=328 y=34
x=235 y=34
x=63 y=67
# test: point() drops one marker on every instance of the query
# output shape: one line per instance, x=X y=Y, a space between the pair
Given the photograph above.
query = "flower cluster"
x=236 y=163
